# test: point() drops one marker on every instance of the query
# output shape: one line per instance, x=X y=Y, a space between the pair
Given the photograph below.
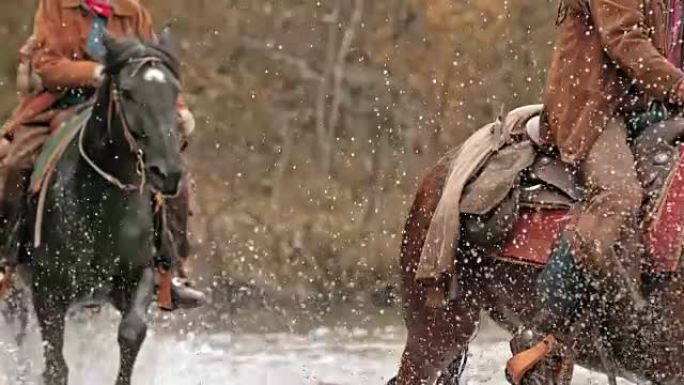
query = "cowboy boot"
x=176 y=292
x=184 y=295
x=541 y=351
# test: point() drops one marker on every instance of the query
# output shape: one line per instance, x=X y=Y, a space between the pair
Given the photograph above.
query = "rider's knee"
x=627 y=196
x=632 y=195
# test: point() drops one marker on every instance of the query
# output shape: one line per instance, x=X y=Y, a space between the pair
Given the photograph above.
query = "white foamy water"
x=323 y=356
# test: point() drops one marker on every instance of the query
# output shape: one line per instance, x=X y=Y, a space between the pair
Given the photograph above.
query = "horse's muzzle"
x=166 y=182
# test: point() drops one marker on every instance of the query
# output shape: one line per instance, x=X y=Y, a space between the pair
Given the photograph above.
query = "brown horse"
x=612 y=343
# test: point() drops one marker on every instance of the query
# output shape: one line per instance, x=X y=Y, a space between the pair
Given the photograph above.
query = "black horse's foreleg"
x=132 y=329
x=51 y=320
x=21 y=311
x=17 y=313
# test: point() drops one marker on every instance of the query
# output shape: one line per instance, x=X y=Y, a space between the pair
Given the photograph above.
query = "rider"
x=608 y=68
x=60 y=66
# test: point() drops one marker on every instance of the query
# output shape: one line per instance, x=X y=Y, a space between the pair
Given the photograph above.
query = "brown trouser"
x=607 y=221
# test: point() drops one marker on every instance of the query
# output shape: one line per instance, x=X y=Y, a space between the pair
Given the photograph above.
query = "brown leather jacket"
x=608 y=60
x=56 y=51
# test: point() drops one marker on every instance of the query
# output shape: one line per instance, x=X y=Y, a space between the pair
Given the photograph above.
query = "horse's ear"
x=109 y=42
x=113 y=47
x=167 y=41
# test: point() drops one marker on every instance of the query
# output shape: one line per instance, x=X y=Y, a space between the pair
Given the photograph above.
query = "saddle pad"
x=536 y=231
x=665 y=232
x=534 y=235
x=55 y=146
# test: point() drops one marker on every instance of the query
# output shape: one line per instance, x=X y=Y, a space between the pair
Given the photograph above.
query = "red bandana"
x=100 y=7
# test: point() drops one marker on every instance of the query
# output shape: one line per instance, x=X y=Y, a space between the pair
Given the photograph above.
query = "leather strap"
x=6 y=283
x=520 y=364
x=164 y=298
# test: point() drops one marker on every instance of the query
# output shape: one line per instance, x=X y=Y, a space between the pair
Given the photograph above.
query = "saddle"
x=64 y=127
x=520 y=210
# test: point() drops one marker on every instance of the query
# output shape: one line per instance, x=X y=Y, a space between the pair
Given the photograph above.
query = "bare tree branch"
x=305 y=70
x=338 y=77
x=323 y=145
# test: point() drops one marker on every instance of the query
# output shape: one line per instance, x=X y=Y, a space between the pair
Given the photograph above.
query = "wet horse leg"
x=16 y=311
x=50 y=314
x=20 y=310
x=435 y=337
x=452 y=374
x=132 y=329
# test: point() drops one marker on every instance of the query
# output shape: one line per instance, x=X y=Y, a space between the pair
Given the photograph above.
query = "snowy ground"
x=323 y=356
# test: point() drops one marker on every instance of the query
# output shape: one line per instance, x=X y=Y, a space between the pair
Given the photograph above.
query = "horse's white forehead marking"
x=154 y=75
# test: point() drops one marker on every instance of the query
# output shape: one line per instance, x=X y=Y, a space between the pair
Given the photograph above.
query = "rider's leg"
x=585 y=260
x=16 y=165
x=177 y=248
x=608 y=219
x=14 y=183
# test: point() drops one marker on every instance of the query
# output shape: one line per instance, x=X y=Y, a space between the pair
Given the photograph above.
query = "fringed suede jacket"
x=610 y=59
x=59 y=56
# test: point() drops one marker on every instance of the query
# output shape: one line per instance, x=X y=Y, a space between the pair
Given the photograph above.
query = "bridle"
x=115 y=109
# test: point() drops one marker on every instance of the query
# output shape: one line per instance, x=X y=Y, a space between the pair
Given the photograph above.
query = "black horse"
x=98 y=226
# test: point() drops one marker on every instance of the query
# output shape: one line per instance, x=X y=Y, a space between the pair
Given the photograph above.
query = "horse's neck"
x=104 y=144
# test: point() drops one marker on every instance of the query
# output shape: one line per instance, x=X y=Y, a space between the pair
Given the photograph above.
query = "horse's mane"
x=121 y=51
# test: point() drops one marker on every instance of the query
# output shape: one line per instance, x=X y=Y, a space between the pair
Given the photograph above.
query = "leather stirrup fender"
x=520 y=364
x=164 y=299
x=6 y=283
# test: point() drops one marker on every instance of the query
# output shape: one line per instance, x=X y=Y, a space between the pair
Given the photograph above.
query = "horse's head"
x=144 y=83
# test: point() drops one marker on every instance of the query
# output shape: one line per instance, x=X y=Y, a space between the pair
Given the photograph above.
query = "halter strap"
x=114 y=109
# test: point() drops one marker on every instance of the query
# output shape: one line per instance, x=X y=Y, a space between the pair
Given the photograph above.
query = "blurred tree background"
x=316 y=120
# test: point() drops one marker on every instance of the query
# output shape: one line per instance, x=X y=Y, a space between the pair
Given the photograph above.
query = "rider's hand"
x=4 y=147
x=186 y=122
x=98 y=75
x=677 y=94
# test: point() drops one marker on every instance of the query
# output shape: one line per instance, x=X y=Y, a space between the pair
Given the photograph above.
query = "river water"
x=339 y=354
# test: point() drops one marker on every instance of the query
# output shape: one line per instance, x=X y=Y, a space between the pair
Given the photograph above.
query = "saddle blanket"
x=535 y=232
x=55 y=146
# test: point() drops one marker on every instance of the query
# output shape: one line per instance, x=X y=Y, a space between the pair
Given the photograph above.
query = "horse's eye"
x=128 y=95
x=137 y=134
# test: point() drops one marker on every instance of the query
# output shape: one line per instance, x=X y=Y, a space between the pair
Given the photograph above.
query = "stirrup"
x=521 y=363
x=6 y=278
